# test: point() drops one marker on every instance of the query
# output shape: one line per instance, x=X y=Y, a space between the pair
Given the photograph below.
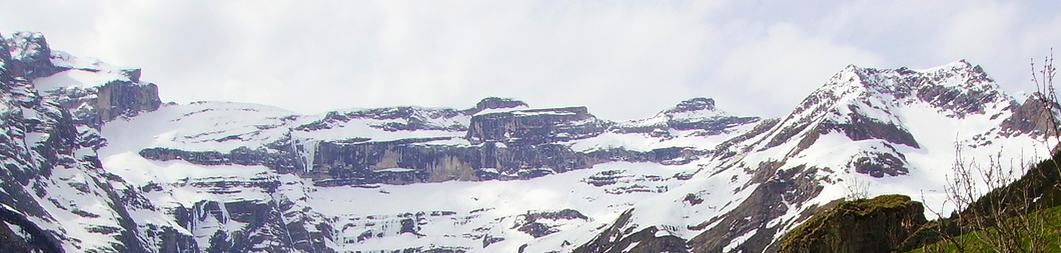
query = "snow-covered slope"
x=94 y=161
x=694 y=123
x=56 y=195
x=489 y=216
x=892 y=130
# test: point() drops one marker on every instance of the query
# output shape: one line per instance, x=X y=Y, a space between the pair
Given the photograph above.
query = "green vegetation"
x=971 y=243
x=890 y=223
x=863 y=225
x=1023 y=204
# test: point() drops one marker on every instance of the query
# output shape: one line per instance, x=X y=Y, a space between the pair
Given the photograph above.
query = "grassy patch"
x=971 y=243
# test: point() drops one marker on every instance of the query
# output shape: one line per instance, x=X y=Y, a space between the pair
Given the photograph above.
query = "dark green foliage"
x=860 y=226
x=971 y=244
x=864 y=225
x=1039 y=183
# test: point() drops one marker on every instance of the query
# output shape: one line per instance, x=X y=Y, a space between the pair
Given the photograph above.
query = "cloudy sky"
x=623 y=59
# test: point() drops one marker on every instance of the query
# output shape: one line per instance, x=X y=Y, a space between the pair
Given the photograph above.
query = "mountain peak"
x=960 y=63
x=26 y=45
x=960 y=73
x=498 y=103
x=693 y=104
x=851 y=67
x=31 y=50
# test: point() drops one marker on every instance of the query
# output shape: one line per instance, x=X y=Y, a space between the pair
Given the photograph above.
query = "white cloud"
x=976 y=31
x=623 y=59
x=783 y=63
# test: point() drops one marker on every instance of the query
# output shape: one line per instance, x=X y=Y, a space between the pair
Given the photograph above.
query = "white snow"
x=461 y=213
x=502 y=200
x=500 y=110
x=738 y=241
x=395 y=170
x=643 y=142
x=201 y=126
x=362 y=128
x=77 y=78
x=66 y=60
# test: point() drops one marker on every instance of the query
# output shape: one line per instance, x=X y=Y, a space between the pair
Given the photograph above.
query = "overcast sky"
x=623 y=59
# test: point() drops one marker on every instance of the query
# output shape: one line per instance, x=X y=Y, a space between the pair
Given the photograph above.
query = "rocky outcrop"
x=30 y=54
x=752 y=217
x=117 y=99
x=697 y=114
x=537 y=224
x=282 y=162
x=411 y=118
x=861 y=127
x=19 y=234
x=960 y=88
x=880 y=164
x=866 y=225
x=514 y=144
x=621 y=237
x=402 y=118
x=693 y=105
x=411 y=161
x=1032 y=116
x=404 y=163
x=250 y=226
x=89 y=103
x=495 y=103
x=535 y=126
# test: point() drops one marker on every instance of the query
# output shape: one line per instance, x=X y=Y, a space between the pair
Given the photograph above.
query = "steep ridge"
x=499 y=176
x=56 y=194
x=892 y=129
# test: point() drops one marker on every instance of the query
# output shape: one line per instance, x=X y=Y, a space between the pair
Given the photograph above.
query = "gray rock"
x=31 y=55
x=535 y=126
x=495 y=103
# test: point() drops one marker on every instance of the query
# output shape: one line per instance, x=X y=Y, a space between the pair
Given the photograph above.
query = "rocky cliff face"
x=93 y=161
x=1032 y=116
x=534 y=126
x=92 y=91
x=615 y=240
x=29 y=55
x=495 y=103
x=56 y=195
x=496 y=140
x=867 y=225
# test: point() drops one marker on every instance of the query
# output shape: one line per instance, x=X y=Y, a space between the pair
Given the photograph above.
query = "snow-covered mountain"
x=95 y=162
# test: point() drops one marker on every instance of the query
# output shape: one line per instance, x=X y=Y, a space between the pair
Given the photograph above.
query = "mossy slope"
x=864 y=225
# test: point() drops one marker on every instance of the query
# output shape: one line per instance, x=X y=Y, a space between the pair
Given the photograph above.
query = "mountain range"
x=94 y=161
